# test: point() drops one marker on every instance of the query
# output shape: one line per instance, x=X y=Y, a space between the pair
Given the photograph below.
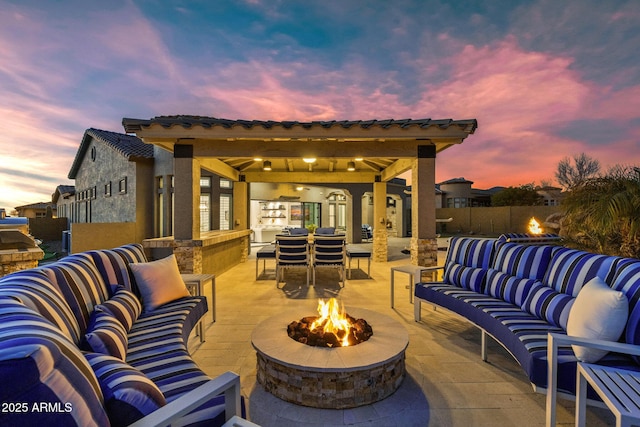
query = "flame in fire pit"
x=534 y=226
x=334 y=320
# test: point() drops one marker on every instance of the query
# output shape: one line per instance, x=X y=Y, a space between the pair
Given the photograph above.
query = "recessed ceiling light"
x=309 y=159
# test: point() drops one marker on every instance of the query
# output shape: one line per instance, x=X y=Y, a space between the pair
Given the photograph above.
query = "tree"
x=602 y=213
x=525 y=195
x=569 y=175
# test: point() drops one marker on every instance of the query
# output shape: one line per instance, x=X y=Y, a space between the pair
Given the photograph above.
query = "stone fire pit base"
x=336 y=378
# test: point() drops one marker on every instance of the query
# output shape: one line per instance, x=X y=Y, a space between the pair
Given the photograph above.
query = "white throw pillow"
x=598 y=312
x=159 y=282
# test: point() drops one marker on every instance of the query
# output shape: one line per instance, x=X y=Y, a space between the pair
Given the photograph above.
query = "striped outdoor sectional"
x=518 y=293
x=77 y=349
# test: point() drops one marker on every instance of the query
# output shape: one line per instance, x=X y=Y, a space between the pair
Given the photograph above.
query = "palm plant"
x=603 y=213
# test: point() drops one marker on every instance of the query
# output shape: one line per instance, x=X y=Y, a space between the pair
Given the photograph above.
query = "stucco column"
x=424 y=246
x=241 y=213
x=186 y=221
x=380 y=245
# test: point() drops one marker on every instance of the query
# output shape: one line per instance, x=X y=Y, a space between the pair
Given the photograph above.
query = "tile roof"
x=186 y=121
x=129 y=146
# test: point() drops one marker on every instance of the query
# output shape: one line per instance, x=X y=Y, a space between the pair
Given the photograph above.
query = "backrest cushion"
x=548 y=304
x=128 y=394
x=507 y=287
x=81 y=284
x=465 y=277
x=36 y=291
x=470 y=252
x=523 y=261
x=133 y=252
x=106 y=335
x=39 y=364
x=124 y=305
x=113 y=268
x=570 y=269
x=627 y=280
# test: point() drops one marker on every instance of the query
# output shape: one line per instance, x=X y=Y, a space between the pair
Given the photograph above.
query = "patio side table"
x=414 y=272
x=195 y=284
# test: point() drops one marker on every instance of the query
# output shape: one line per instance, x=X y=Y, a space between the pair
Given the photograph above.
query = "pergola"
x=315 y=152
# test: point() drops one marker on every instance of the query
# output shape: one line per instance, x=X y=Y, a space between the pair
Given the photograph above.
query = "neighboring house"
x=36 y=210
x=458 y=193
x=552 y=195
x=63 y=198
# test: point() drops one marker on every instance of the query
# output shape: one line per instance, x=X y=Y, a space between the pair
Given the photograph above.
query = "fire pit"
x=338 y=377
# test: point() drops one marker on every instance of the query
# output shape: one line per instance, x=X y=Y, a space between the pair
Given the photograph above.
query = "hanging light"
x=266 y=165
x=351 y=166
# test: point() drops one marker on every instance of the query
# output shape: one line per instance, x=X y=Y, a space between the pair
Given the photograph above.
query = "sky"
x=546 y=79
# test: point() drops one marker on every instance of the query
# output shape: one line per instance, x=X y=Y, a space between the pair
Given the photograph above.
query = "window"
x=225 y=211
x=205 y=182
x=225 y=183
x=205 y=212
x=107 y=189
x=122 y=186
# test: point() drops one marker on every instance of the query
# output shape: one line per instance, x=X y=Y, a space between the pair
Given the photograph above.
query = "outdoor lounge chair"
x=329 y=251
x=292 y=252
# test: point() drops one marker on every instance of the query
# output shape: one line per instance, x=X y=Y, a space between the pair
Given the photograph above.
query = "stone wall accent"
x=189 y=256
x=380 y=244
x=12 y=260
x=335 y=390
x=424 y=252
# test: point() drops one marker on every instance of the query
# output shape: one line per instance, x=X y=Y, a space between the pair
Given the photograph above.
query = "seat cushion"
x=128 y=394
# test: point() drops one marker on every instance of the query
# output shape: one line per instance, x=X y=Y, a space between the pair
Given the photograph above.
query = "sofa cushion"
x=527 y=262
x=627 y=280
x=465 y=277
x=113 y=268
x=81 y=285
x=470 y=252
x=39 y=365
x=571 y=269
x=508 y=288
x=36 y=291
x=547 y=304
x=598 y=312
x=128 y=394
x=159 y=282
x=106 y=335
x=124 y=305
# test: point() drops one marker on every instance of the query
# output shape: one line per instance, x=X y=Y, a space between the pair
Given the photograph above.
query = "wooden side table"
x=195 y=284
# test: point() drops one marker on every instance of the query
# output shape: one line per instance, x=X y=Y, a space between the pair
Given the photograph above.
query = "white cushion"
x=159 y=282
x=598 y=312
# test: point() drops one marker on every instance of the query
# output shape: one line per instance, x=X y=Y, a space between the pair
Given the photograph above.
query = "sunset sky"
x=546 y=79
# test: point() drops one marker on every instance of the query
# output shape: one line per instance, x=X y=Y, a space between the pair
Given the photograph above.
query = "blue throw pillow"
x=508 y=288
x=549 y=305
x=128 y=394
x=106 y=335
x=124 y=305
x=466 y=277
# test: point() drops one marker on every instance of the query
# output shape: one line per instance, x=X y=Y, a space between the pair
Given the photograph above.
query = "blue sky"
x=546 y=79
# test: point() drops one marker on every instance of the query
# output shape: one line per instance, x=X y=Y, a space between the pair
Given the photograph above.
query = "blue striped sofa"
x=519 y=293
x=77 y=349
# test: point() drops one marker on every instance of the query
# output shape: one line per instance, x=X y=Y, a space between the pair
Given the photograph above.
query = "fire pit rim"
x=389 y=338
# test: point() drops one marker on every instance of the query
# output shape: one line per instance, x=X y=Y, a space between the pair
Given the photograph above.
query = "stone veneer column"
x=380 y=243
x=424 y=246
x=189 y=256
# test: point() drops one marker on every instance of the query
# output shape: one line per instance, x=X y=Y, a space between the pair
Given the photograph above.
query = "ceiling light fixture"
x=309 y=160
x=257 y=159
x=266 y=165
x=351 y=166
x=359 y=159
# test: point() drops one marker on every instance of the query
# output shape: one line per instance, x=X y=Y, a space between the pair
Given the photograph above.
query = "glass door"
x=311 y=214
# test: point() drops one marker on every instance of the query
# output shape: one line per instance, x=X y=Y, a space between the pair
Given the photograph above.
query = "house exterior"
x=36 y=210
x=63 y=198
